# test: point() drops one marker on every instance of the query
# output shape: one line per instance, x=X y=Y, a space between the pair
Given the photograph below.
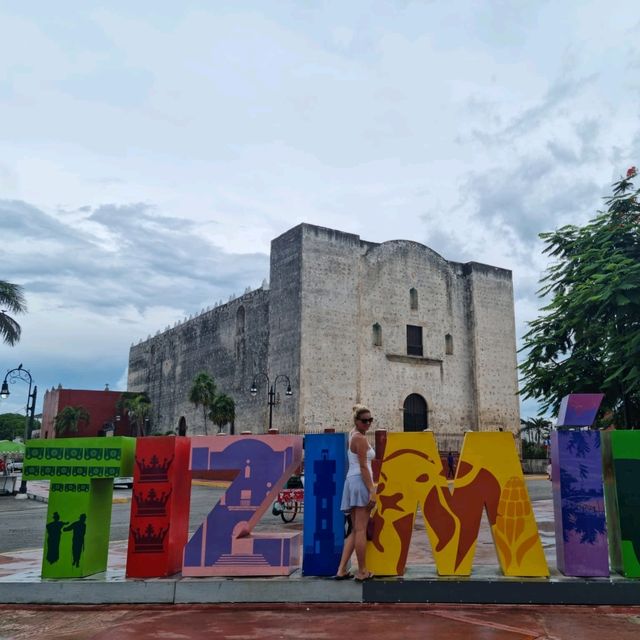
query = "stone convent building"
x=424 y=342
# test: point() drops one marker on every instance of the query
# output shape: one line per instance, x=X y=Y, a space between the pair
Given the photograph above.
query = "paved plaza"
x=20 y=580
x=24 y=566
x=414 y=606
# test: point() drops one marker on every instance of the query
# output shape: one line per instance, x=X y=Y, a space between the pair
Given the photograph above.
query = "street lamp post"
x=271 y=393
x=12 y=376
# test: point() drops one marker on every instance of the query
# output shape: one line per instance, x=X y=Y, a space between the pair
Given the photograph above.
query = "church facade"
x=422 y=341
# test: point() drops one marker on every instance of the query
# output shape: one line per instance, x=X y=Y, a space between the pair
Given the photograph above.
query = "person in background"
x=358 y=496
x=451 y=471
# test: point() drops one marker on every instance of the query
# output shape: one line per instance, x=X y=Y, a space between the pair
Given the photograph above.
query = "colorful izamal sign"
x=488 y=480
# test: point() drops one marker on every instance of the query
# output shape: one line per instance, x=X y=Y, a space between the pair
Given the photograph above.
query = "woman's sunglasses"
x=366 y=420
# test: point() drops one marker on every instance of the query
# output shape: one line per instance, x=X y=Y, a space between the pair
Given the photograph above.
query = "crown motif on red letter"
x=154 y=471
x=149 y=541
x=152 y=505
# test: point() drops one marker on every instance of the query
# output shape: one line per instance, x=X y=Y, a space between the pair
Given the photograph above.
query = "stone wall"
x=535 y=466
x=492 y=329
x=330 y=327
x=388 y=374
x=349 y=285
x=284 y=328
x=229 y=342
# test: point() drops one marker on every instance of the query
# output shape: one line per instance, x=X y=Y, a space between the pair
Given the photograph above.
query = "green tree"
x=588 y=336
x=223 y=410
x=12 y=426
x=69 y=420
x=531 y=450
x=535 y=430
x=202 y=394
x=137 y=406
x=11 y=300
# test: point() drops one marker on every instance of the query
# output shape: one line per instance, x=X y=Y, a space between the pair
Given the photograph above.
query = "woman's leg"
x=360 y=517
x=347 y=552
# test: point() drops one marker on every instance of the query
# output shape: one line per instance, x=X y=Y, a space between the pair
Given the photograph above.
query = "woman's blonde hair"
x=358 y=410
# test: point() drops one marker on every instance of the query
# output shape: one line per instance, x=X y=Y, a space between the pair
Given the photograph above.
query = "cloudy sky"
x=149 y=151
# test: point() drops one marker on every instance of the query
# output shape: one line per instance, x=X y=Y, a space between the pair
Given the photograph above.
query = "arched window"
x=377 y=335
x=416 y=416
x=448 y=344
x=182 y=426
x=413 y=298
x=240 y=321
x=240 y=339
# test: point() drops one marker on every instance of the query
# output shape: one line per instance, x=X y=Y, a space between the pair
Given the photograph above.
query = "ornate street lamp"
x=12 y=376
x=271 y=394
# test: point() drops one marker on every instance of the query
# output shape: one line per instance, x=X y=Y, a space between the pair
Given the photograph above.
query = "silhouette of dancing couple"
x=54 y=535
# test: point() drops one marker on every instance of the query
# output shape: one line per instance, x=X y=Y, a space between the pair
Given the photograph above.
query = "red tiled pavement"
x=320 y=622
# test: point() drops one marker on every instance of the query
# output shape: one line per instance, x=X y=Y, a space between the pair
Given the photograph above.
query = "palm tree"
x=223 y=410
x=69 y=419
x=535 y=429
x=138 y=408
x=203 y=393
x=11 y=299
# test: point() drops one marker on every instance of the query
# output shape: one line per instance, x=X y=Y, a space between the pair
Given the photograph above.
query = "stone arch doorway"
x=416 y=415
x=182 y=426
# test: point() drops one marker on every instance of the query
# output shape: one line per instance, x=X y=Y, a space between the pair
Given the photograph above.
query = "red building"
x=102 y=407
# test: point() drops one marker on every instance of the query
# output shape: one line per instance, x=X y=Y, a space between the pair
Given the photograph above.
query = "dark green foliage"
x=531 y=450
x=12 y=300
x=587 y=339
x=69 y=419
x=219 y=408
x=223 y=410
x=202 y=394
x=137 y=406
x=535 y=429
x=12 y=425
x=534 y=433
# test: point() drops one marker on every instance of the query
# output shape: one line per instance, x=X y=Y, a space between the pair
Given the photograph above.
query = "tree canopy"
x=202 y=394
x=12 y=425
x=587 y=338
x=535 y=434
x=137 y=406
x=12 y=301
x=69 y=419
x=223 y=410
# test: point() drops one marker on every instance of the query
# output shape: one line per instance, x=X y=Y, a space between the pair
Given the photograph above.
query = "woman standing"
x=358 y=496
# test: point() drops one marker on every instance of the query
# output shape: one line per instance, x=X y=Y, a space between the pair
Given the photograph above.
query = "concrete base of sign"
x=486 y=586
x=419 y=585
x=266 y=590
x=88 y=591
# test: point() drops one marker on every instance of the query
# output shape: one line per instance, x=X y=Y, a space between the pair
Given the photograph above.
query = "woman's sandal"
x=367 y=577
x=346 y=576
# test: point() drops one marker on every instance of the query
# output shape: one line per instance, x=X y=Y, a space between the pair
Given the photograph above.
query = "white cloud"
x=150 y=153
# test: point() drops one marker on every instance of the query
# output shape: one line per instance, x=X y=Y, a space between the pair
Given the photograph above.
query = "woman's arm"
x=361 y=446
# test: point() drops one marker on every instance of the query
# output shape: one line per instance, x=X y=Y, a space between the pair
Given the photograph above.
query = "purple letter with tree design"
x=223 y=545
x=578 y=492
